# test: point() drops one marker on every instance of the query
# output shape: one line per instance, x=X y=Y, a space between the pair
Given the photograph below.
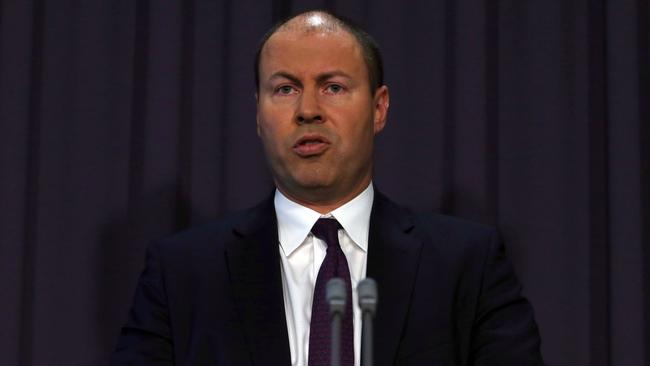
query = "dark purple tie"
x=334 y=265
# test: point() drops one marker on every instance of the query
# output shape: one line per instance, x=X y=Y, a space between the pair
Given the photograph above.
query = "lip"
x=311 y=145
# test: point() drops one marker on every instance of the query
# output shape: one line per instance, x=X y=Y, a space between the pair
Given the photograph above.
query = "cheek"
x=275 y=138
x=355 y=144
x=359 y=130
x=274 y=125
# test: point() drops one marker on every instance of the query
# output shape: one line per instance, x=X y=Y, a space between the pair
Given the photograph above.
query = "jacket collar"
x=393 y=259
x=254 y=267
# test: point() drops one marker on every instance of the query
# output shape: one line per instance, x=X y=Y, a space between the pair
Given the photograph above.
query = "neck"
x=324 y=202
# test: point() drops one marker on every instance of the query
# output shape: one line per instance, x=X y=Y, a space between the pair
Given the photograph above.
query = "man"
x=248 y=289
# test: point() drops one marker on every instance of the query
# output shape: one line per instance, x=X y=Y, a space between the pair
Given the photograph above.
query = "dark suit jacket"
x=447 y=295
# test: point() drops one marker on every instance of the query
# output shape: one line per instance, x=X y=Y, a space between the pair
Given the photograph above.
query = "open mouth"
x=311 y=145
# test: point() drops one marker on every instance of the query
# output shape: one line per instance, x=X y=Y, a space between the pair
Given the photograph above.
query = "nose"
x=308 y=109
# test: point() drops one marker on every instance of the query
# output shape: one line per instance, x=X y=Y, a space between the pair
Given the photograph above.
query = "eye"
x=335 y=88
x=285 y=90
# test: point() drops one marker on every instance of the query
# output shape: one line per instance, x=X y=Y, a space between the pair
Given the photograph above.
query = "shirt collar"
x=295 y=221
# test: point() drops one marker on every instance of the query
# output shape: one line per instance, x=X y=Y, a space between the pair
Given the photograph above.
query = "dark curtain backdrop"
x=123 y=121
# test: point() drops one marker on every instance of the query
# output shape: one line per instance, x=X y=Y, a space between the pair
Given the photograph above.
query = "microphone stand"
x=336 y=296
x=367 y=293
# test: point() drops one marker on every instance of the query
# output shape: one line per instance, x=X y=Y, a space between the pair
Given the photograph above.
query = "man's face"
x=316 y=114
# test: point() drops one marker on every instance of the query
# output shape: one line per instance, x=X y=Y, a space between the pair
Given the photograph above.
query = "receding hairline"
x=344 y=38
x=312 y=22
x=321 y=21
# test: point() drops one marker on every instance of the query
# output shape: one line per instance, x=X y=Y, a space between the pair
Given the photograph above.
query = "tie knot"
x=327 y=230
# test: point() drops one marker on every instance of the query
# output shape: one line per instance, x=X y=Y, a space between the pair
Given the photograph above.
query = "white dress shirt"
x=302 y=254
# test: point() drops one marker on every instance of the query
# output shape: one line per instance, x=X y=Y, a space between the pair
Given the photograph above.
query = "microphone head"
x=335 y=295
x=367 y=291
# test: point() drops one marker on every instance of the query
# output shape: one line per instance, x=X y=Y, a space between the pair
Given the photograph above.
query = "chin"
x=311 y=180
x=311 y=183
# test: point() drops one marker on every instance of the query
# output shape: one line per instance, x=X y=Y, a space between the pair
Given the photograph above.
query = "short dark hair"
x=369 y=47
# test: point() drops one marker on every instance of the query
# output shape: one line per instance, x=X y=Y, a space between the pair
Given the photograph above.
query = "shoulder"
x=453 y=228
x=434 y=225
x=216 y=234
x=443 y=235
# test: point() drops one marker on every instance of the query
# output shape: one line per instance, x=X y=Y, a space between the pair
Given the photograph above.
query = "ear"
x=381 y=102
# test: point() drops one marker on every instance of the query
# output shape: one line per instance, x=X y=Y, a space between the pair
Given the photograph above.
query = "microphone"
x=335 y=297
x=367 y=292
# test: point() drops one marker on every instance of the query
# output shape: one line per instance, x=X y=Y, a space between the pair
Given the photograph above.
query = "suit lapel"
x=393 y=258
x=254 y=267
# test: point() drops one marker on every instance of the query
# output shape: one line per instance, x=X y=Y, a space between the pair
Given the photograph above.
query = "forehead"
x=311 y=50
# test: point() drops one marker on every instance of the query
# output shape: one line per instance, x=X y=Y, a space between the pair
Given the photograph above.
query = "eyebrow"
x=286 y=75
x=319 y=79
